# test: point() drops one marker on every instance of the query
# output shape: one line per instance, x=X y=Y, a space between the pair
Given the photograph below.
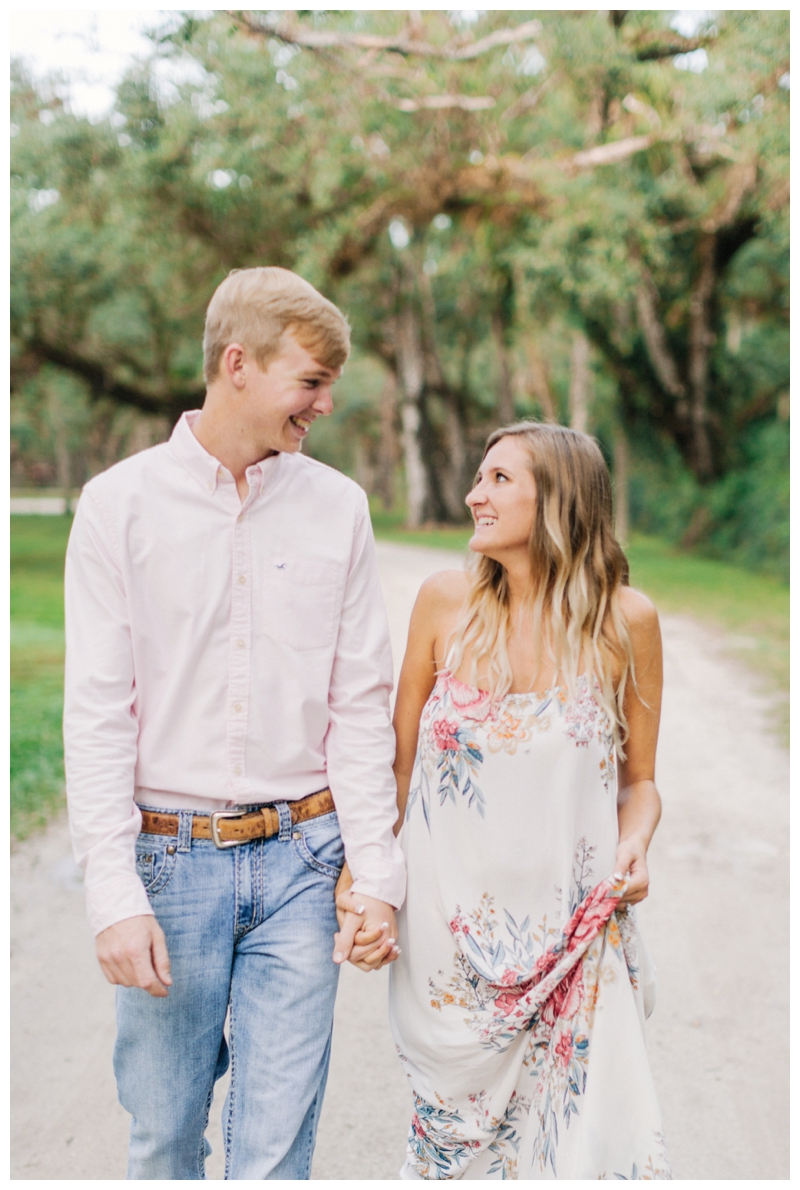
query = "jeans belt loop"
x=285 y=820
x=185 y=830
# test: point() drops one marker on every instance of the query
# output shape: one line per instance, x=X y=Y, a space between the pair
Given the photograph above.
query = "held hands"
x=631 y=862
x=367 y=928
x=133 y=953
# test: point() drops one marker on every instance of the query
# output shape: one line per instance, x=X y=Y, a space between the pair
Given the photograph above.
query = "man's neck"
x=228 y=443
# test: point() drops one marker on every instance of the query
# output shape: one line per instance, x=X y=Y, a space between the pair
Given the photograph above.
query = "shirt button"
x=237 y=706
x=241 y=580
x=237 y=769
x=211 y=485
x=240 y=644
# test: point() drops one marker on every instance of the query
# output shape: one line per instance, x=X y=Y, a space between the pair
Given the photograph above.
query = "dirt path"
x=716 y=925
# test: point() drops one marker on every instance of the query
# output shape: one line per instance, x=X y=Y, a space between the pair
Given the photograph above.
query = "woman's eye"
x=500 y=477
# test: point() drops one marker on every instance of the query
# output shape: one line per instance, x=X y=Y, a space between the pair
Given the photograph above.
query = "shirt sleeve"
x=360 y=741
x=100 y=728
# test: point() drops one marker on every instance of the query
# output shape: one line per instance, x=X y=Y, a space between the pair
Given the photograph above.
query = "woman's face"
x=503 y=501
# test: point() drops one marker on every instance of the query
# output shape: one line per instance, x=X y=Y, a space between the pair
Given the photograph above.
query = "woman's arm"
x=432 y=621
x=638 y=801
x=432 y=616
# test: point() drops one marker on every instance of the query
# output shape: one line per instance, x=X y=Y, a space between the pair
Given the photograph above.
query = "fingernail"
x=360 y=909
x=338 y=956
x=384 y=925
x=397 y=950
x=618 y=875
x=390 y=941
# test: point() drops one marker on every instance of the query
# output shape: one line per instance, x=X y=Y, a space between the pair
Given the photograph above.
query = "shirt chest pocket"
x=300 y=599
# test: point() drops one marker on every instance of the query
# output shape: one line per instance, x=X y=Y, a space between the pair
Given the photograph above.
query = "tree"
x=509 y=210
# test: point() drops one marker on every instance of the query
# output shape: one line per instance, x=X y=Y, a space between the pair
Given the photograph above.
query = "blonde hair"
x=255 y=307
x=577 y=569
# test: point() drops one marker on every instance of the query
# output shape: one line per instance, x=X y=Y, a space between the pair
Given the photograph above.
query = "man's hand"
x=133 y=953
x=374 y=923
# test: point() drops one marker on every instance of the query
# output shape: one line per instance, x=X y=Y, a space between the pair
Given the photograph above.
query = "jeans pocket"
x=155 y=861
x=318 y=844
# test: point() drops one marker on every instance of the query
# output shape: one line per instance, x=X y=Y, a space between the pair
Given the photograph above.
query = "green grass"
x=37 y=669
x=751 y=609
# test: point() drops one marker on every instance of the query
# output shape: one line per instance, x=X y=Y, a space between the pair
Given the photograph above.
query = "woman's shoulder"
x=441 y=596
x=444 y=589
x=639 y=612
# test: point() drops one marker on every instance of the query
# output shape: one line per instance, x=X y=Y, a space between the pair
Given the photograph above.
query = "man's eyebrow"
x=322 y=374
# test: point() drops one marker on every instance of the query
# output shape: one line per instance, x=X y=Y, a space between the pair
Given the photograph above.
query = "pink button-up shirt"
x=223 y=653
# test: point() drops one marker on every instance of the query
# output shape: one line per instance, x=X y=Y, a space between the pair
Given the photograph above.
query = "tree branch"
x=742 y=179
x=293 y=33
x=103 y=384
x=467 y=103
x=529 y=99
x=612 y=152
x=655 y=340
x=651 y=48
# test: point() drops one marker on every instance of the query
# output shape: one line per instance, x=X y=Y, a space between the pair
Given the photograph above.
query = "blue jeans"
x=248 y=929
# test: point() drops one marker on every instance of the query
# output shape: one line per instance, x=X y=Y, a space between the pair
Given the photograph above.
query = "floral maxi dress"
x=518 y=1001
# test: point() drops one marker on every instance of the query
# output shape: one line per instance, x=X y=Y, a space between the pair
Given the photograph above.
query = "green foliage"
x=37 y=669
x=743 y=518
x=268 y=152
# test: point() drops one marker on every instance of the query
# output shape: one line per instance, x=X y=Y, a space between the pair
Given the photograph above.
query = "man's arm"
x=360 y=743
x=100 y=734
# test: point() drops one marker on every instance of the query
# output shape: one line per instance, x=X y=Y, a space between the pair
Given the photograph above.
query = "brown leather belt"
x=228 y=828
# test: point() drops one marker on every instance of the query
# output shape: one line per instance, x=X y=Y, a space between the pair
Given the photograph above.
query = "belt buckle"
x=223 y=844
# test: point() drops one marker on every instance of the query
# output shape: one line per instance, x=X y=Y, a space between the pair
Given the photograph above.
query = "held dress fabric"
x=517 y=1003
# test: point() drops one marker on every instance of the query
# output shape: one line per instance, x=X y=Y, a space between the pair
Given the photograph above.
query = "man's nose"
x=323 y=401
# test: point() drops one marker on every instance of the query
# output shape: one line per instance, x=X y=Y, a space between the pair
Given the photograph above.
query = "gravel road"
x=716 y=925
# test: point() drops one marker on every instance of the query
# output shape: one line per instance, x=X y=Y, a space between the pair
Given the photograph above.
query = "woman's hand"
x=630 y=863
x=367 y=929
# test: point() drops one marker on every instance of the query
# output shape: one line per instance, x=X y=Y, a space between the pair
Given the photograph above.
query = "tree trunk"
x=655 y=339
x=621 y=490
x=411 y=368
x=454 y=479
x=700 y=340
x=580 y=382
x=538 y=382
x=505 y=389
x=452 y=469
x=387 y=444
x=63 y=460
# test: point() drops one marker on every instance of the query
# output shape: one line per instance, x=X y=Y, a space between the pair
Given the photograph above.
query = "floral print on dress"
x=450 y=752
x=455 y=759
x=505 y=990
x=655 y=1169
x=511 y=971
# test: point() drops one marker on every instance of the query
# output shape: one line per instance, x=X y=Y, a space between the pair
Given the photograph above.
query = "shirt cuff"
x=116 y=900
x=389 y=885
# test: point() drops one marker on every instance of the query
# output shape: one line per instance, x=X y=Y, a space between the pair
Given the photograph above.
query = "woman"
x=527 y=716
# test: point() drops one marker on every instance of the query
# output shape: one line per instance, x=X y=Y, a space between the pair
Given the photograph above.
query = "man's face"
x=281 y=403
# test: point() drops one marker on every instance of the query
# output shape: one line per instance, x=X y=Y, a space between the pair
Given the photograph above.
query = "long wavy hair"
x=577 y=570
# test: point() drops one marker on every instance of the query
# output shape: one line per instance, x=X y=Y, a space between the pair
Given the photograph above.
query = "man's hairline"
x=322 y=374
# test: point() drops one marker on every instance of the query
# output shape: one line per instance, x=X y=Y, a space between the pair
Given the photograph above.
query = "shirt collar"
x=203 y=466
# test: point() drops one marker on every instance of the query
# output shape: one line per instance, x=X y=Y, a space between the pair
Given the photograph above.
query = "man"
x=227 y=742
